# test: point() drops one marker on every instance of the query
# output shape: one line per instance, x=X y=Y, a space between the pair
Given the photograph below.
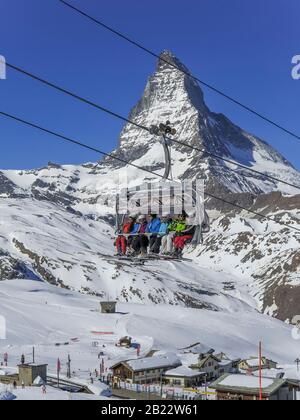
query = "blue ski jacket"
x=136 y=228
x=163 y=230
x=153 y=226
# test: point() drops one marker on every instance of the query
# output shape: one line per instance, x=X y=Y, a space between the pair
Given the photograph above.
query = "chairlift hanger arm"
x=165 y=130
x=168 y=161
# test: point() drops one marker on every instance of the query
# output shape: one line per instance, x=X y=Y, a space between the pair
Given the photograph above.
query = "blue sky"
x=244 y=47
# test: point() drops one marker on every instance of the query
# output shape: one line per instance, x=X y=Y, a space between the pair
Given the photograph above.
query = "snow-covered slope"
x=241 y=257
x=266 y=256
x=42 y=241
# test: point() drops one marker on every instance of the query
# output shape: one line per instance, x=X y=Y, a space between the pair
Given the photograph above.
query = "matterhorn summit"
x=171 y=94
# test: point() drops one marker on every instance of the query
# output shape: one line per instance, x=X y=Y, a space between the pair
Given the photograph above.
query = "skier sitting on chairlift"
x=163 y=231
x=153 y=228
x=178 y=225
x=121 y=241
x=140 y=242
x=181 y=238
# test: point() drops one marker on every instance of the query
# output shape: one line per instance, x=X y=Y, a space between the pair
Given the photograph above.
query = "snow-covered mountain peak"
x=166 y=57
x=171 y=94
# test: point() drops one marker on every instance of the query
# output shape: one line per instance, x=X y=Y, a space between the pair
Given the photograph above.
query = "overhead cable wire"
x=91 y=148
x=182 y=70
x=142 y=127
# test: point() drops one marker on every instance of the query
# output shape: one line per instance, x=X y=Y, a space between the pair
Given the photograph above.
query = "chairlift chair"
x=156 y=197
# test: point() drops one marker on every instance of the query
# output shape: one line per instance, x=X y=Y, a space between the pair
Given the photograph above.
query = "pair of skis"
x=150 y=257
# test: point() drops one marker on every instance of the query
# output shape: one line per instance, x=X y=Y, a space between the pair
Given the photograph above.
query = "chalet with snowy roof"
x=144 y=370
x=184 y=376
x=215 y=365
x=208 y=364
x=252 y=364
x=226 y=364
x=246 y=387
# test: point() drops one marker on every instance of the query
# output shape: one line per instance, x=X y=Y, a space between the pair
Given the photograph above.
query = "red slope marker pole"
x=260 y=371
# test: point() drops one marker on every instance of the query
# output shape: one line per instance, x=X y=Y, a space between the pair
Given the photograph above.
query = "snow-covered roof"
x=183 y=371
x=271 y=373
x=248 y=384
x=168 y=359
x=253 y=362
x=225 y=362
x=38 y=381
x=246 y=381
x=29 y=365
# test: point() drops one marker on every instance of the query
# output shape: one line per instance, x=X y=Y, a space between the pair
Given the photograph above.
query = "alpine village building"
x=144 y=370
x=246 y=387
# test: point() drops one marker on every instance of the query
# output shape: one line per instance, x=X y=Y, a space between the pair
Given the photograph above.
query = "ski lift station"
x=108 y=307
x=28 y=373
